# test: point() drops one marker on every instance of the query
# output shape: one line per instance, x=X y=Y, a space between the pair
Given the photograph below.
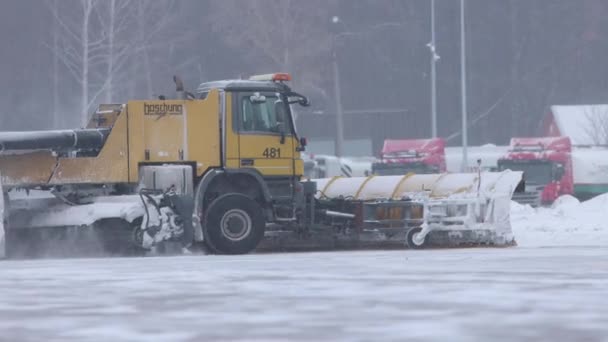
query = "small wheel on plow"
x=415 y=240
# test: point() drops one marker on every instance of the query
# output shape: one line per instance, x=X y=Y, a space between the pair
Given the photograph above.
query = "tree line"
x=61 y=58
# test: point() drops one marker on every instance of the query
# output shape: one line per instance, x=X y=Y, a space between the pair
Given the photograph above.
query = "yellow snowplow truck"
x=221 y=168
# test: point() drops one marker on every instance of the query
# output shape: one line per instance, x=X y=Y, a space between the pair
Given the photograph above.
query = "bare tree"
x=102 y=44
x=56 y=113
x=135 y=29
x=284 y=35
x=144 y=53
x=119 y=16
x=80 y=48
x=596 y=126
x=155 y=23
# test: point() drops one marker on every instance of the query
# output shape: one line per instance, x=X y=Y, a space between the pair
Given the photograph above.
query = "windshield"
x=535 y=172
x=264 y=113
x=382 y=169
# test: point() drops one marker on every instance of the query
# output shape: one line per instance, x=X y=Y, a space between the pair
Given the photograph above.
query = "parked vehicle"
x=420 y=156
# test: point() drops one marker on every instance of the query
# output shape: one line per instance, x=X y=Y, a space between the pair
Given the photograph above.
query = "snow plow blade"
x=42 y=225
x=457 y=209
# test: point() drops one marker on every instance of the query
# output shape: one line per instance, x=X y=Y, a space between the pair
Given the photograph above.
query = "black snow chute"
x=56 y=140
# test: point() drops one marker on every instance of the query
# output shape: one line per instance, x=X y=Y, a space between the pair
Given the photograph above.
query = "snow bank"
x=567 y=223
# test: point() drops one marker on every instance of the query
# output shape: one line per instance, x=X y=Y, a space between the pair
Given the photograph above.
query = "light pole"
x=463 y=76
x=434 y=59
x=339 y=140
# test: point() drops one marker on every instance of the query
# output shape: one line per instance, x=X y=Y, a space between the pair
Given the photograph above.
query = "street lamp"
x=338 y=142
x=463 y=75
x=434 y=58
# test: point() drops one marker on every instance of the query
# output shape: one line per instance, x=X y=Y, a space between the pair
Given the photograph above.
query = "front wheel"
x=234 y=224
x=414 y=238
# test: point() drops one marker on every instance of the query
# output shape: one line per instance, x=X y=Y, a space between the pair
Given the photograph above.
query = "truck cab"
x=547 y=166
x=421 y=156
x=259 y=131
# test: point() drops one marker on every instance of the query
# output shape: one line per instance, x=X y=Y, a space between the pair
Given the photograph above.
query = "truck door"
x=266 y=139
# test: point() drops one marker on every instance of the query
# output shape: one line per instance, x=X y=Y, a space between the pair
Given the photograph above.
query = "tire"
x=234 y=224
x=411 y=242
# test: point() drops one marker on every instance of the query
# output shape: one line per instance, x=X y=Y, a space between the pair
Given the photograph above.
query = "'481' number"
x=271 y=152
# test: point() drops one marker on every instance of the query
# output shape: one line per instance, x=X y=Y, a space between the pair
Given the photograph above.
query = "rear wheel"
x=234 y=224
x=414 y=238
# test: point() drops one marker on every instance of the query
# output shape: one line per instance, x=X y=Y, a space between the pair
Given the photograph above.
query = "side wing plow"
x=435 y=209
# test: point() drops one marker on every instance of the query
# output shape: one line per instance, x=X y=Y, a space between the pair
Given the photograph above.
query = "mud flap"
x=184 y=206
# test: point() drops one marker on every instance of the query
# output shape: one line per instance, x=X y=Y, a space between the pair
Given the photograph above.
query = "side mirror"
x=304 y=101
x=559 y=172
x=300 y=99
x=303 y=143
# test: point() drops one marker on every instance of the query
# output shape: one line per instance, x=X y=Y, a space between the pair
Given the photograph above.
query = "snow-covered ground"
x=567 y=223
x=504 y=294
x=553 y=286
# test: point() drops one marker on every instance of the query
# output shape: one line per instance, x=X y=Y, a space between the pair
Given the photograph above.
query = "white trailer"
x=590 y=171
x=326 y=166
x=488 y=154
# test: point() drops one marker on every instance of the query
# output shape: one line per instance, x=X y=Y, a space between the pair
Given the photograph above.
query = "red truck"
x=421 y=156
x=547 y=166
